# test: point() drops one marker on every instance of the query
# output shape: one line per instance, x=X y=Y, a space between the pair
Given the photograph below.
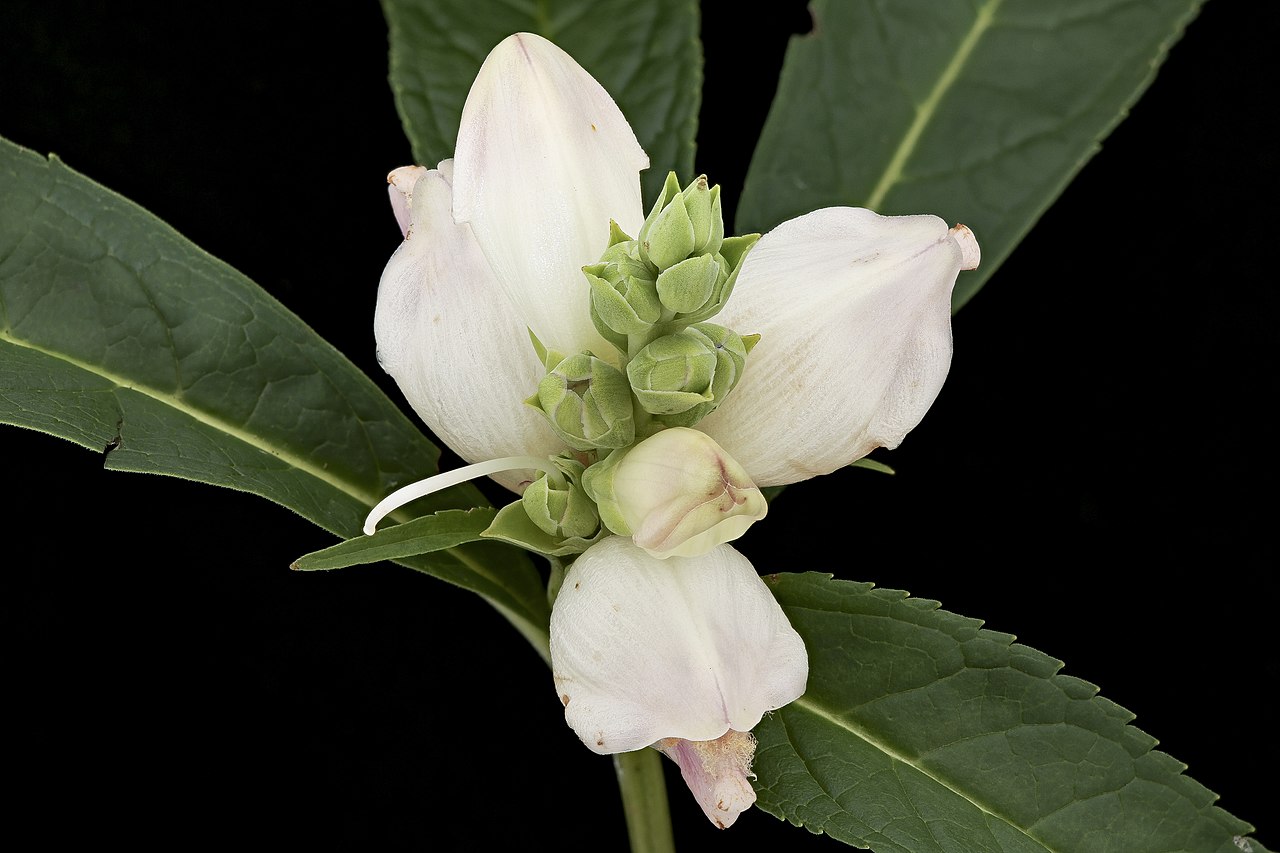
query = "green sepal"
x=548 y=357
x=513 y=525
x=619 y=341
x=598 y=483
x=670 y=239
x=734 y=249
x=616 y=234
x=673 y=373
x=670 y=189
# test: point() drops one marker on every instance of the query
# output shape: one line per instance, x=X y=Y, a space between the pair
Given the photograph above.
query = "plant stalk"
x=644 y=801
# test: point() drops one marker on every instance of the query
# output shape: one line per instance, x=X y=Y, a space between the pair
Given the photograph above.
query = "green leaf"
x=646 y=55
x=923 y=732
x=436 y=532
x=118 y=334
x=979 y=112
x=872 y=465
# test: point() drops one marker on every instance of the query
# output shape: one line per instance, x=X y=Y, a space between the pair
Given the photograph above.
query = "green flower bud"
x=703 y=206
x=670 y=238
x=733 y=251
x=682 y=378
x=667 y=236
x=687 y=287
x=559 y=505
x=624 y=298
x=588 y=403
x=677 y=493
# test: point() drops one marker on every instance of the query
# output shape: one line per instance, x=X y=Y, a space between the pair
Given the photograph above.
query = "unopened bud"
x=668 y=236
x=677 y=493
x=624 y=297
x=588 y=403
x=559 y=505
x=703 y=205
x=682 y=378
x=687 y=287
x=733 y=250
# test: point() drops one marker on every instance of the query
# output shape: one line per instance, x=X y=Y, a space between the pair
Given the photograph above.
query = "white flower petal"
x=400 y=185
x=688 y=647
x=853 y=310
x=451 y=340
x=544 y=160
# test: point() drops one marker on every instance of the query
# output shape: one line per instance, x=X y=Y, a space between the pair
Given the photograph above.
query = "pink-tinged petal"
x=687 y=647
x=452 y=341
x=544 y=160
x=716 y=772
x=677 y=493
x=853 y=310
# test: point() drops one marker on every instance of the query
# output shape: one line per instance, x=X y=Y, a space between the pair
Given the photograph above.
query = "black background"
x=1097 y=476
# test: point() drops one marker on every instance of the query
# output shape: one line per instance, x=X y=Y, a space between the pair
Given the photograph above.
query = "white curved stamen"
x=422 y=488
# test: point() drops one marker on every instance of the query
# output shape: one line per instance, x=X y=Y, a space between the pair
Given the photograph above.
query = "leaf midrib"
x=288 y=458
x=176 y=403
x=814 y=708
x=925 y=110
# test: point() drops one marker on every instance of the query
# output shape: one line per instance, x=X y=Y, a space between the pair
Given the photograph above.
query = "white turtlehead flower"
x=853 y=311
x=661 y=652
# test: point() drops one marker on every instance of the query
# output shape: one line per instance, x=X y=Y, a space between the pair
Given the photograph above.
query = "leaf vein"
x=816 y=709
x=925 y=110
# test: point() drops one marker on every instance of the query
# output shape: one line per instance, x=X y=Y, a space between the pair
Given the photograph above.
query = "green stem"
x=644 y=800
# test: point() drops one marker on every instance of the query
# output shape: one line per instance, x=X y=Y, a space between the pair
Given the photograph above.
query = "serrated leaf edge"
x=1009 y=640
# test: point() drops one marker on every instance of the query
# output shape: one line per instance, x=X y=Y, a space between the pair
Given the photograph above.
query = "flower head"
x=661 y=635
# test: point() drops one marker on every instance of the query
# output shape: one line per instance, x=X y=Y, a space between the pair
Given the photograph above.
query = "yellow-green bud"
x=588 y=403
x=669 y=239
x=669 y=235
x=677 y=493
x=559 y=505
x=703 y=205
x=687 y=287
x=733 y=250
x=624 y=297
x=682 y=378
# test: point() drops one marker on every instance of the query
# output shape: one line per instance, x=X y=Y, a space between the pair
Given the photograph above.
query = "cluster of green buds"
x=678 y=271
x=637 y=468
